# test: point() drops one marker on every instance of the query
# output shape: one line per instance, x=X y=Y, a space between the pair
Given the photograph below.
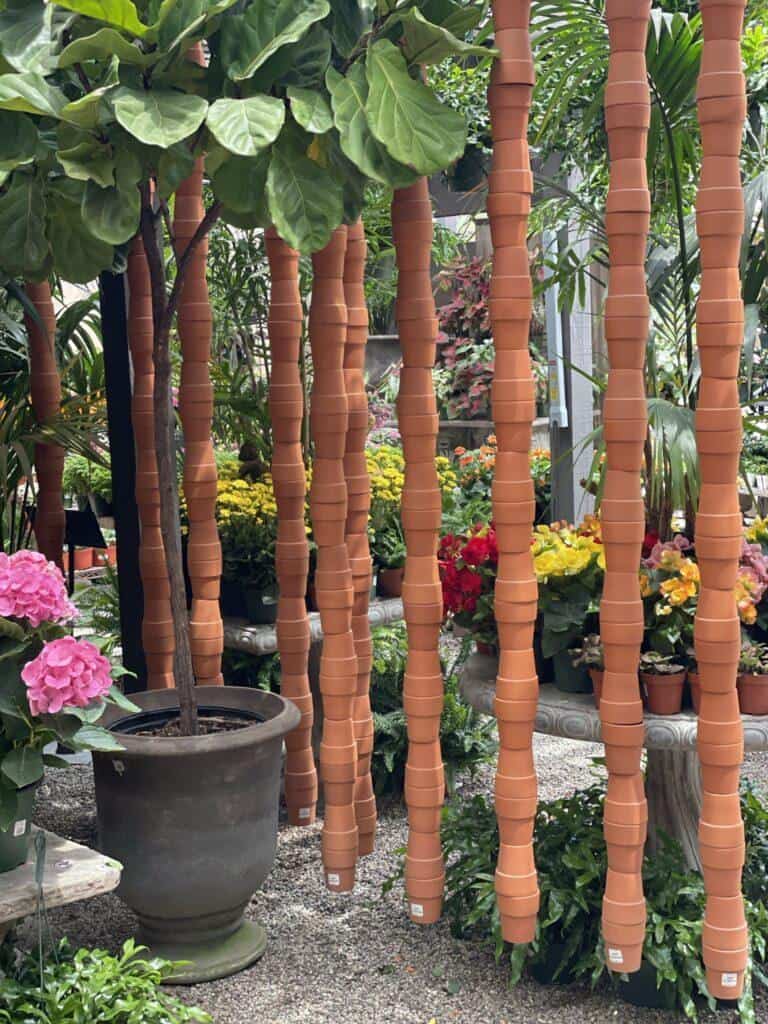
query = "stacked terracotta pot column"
x=421 y=512
x=358 y=506
x=286 y=404
x=206 y=632
x=627 y=115
x=720 y=317
x=45 y=387
x=333 y=578
x=509 y=203
x=157 y=624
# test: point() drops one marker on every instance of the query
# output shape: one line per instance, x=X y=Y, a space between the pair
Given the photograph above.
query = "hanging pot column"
x=333 y=578
x=157 y=624
x=286 y=404
x=720 y=325
x=206 y=632
x=627 y=116
x=514 y=408
x=45 y=388
x=421 y=511
x=358 y=506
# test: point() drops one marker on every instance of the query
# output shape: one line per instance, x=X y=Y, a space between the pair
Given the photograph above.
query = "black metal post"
x=117 y=372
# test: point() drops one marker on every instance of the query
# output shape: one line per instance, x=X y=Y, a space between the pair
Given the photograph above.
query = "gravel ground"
x=355 y=959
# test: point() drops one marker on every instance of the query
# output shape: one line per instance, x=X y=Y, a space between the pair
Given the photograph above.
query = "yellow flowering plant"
x=569 y=563
x=246 y=512
x=669 y=585
x=386 y=470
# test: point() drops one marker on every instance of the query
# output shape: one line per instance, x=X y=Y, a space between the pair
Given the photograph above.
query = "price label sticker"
x=305 y=812
x=333 y=879
x=615 y=956
x=19 y=828
x=729 y=980
x=417 y=910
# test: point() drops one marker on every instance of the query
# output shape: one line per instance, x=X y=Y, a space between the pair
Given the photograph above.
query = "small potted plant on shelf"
x=590 y=656
x=753 y=678
x=663 y=679
x=52 y=688
x=569 y=563
x=389 y=555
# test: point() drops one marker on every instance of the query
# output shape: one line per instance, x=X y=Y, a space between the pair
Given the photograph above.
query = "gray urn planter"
x=194 y=822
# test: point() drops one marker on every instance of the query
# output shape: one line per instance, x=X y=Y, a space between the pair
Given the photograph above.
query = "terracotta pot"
x=753 y=694
x=83 y=558
x=596 y=675
x=695 y=688
x=664 y=693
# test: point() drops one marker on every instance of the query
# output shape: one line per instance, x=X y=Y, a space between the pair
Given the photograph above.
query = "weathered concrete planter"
x=194 y=822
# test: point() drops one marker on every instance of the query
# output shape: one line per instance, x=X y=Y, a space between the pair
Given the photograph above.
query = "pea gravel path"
x=356 y=959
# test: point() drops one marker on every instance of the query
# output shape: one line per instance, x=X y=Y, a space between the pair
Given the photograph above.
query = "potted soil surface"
x=663 y=682
x=590 y=656
x=390 y=582
x=193 y=820
x=752 y=681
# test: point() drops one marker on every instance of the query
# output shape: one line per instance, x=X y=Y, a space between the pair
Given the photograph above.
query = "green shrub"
x=94 y=987
x=82 y=477
x=571 y=860
x=467 y=738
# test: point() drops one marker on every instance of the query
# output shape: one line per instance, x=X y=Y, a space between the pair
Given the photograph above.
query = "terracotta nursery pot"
x=390 y=582
x=753 y=694
x=193 y=821
x=663 y=693
x=694 y=685
x=83 y=558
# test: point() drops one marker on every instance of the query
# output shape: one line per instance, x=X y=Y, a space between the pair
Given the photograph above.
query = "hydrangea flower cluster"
x=66 y=673
x=32 y=589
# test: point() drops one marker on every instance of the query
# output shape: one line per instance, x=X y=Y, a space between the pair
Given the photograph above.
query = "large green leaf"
x=87 y=111
x=250 y=39
x=456 y=17
x=102 y=45
x=25 y=35
x=22 y=766
x=349 y=95
x=23 y=245
x=120 y=13
x=351 y=20
x=174 y=166
x=310 y=108
x=78 y=255
x=425 y=43
x=112 y=214
x=158 y=117
x=303 y=63
x=240 y=184
x=179 y=20
x=93 y=737
x=406 y=117
x=89 y=161
x=31 y=94
x=246 y=127
x=18 y=140
x=305 y=202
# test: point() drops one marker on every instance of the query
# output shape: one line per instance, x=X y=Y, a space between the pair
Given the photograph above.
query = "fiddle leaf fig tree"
x=105 y=108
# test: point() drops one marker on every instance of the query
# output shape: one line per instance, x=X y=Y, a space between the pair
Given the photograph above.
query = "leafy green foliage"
x=92 y=985
x=572 y=864
x=467 y=738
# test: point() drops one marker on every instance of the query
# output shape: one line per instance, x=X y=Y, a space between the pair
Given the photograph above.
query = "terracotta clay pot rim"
x=285 y=717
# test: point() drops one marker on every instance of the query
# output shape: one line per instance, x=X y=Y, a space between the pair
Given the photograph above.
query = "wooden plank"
x=72 y=872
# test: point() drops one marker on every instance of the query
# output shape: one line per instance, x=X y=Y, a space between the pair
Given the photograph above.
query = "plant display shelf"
x=72 y=872
x=672 y=778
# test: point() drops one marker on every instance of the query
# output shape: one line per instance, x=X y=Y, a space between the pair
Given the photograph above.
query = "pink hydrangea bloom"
x=32 y=588
x=66 y=673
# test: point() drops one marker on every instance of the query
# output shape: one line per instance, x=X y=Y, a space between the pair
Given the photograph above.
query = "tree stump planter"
x=193 y=820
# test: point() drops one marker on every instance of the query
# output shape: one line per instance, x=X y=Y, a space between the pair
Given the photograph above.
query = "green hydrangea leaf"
x=22 y=766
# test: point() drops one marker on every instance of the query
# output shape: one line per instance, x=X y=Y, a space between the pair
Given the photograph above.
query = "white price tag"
x=19 y=828
x=333 y=879
x=729 y=980
x=417 y=910
x=305 y=812
x=615 y=956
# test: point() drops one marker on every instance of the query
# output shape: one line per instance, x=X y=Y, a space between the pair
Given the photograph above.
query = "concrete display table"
x=72 y=872
x=240 y=635
x=673 y=783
